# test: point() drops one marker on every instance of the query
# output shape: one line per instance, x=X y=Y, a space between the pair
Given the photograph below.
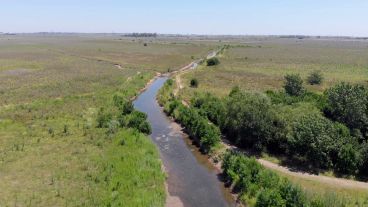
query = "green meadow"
x=51 y=89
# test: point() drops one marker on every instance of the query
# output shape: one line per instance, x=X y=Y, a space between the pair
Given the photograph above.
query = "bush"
x=269 y=198
x=211 y=107
x=103 y=118
x=252 y=180
x=251 y=121
x=294 y=85
x=136 y=120
x=363 y=169
x=209 y=137
x=170 y=82
x=348 y=104
x=293 y=195
x=198 y=126
x=348 y=159
x=112 y=128
x=194 y=83
x=315 y=78
x=317 y=138
x=285 y=99
x=126 y=107
x=213 y=61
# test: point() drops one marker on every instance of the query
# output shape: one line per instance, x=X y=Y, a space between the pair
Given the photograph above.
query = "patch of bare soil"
x=16 y=72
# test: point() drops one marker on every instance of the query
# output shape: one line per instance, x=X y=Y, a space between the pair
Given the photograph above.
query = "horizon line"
x=181 y=34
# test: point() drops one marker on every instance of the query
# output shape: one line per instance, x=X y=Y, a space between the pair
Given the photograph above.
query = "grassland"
x=259 y=64
x=51 y=87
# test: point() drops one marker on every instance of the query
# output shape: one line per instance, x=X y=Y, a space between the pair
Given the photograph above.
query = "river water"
x=191 y=177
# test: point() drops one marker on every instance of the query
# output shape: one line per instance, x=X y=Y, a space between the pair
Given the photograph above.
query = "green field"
x=259 y=64
x=51 y=88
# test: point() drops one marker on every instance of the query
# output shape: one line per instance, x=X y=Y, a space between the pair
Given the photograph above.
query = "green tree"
x=348 y=159
x=315 y=78
x=348 y=104
x=251 y=121
x=315 y=137
x=294 y=85
x=363 y=169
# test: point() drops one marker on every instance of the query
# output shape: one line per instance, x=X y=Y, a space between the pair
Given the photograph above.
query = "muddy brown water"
x=191 y=177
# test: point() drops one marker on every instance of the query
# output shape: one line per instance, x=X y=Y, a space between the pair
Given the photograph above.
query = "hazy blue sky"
x=311 y=17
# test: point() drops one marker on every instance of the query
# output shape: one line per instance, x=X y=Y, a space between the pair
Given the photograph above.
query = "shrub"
x=254 y=181
x=317 y=138
x=211 y=107
x=269 y=198
x=293 y=195
x=363 y=169
x=136 y=120
x=279 y=97
x=170 y=82
x=194 y=83
x=250 y=120
x=294 y=85
x=66 y=130
x=103 y=118
x=210 y=137
x=315 y=78
x=127 y=108
x=213 y=61
x=348 y=159
x=235 y=90
x=198 y=126
x=112 y=128
x=348 y=104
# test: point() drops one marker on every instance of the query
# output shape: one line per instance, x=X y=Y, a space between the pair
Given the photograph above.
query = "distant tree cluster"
x=141 y=35
x=294 y=83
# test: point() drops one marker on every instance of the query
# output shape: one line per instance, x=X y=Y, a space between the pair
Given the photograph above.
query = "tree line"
x=328 y=131
x=141 y=35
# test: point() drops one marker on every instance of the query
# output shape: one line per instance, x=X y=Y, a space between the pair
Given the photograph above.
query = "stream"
x=192 y=179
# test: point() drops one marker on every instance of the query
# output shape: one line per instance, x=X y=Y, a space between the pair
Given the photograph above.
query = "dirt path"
x=186 y=69
x=337 y=182
x=179 y=84
x=344 y=183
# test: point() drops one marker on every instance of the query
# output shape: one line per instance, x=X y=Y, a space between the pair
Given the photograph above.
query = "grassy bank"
x=52 y=154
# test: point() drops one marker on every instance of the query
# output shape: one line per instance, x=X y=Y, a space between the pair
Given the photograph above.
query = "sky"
x=230 y=17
